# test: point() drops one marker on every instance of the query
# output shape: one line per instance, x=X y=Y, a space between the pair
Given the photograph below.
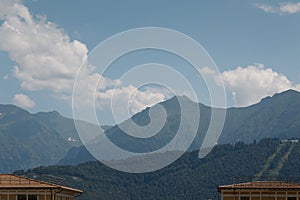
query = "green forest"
x=187 y=178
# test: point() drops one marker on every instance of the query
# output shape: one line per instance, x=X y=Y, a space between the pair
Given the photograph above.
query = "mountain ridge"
x=276 y=116
x=46 y=138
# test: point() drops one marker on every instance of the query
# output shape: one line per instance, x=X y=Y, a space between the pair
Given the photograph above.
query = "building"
x=261 y=190
x=14 y=187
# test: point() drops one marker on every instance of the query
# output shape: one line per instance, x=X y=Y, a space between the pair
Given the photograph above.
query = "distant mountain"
x=187 y=178
x=31 y=140
x=277 y=116
x=46 y=138
x=26 y=141
x=134 y=144
x=64 y=126
x=273 y=117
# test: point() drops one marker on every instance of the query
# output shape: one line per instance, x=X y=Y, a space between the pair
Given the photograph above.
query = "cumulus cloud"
x=23 y=101
x=108 y=94
x=250 y=84
x=281 y=9
x=290 y=8
x=130 y=97
x=47 y=59
x=45 y=56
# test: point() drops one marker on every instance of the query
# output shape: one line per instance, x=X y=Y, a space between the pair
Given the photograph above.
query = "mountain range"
x=47 y=138
x=30 y=140
x=274 y=117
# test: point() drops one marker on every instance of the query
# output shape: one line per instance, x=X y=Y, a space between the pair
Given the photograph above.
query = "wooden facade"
x=261 y=190
x=14 y=187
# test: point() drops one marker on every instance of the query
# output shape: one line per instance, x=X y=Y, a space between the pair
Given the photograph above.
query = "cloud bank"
x=248 y=85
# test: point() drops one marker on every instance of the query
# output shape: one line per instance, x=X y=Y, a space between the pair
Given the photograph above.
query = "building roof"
x=10 y=181
x=262 y=185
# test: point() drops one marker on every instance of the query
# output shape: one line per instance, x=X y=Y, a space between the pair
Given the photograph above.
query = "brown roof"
x=9 y=181
x=279 y=185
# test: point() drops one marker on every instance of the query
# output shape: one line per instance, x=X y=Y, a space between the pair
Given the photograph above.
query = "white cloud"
x=112 y=96
x=47 y=59
x=45 y=56
x=267 y=8
x=250 y=84
x=123 y=101
x=281 y=9
x=23 y=101
x=130 y=96
x=296 y=87
x=290 y=8
x=88 y=86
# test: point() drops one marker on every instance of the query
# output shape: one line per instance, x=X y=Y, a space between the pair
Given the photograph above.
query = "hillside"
x=273 y=117
x=30 y=140
x=46 y=138
x=64 y=126
x=276 y=116
x=188 y=178
x=26 y=142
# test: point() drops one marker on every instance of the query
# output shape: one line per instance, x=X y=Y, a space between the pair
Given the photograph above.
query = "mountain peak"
x=288 y=92
x=286 y=95
x=9 y=108
x=182 y=98
x=51 y=114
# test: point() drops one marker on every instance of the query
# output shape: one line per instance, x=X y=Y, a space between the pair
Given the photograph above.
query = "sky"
x=254 y=44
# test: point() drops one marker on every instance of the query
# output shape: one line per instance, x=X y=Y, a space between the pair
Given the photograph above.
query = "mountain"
x=30 y=140
x=187 y=178
x=64 y=126
x=26 y=141
x=277 y=116
x=75 y=156
x=134 y=144
x=273 y=117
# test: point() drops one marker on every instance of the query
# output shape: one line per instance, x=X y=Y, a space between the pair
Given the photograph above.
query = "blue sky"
x=255 y=45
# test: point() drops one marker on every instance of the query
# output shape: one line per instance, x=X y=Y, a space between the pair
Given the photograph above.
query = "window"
x=292 y=198
x=245 y=198
x=21 y=197
x=32 y=197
